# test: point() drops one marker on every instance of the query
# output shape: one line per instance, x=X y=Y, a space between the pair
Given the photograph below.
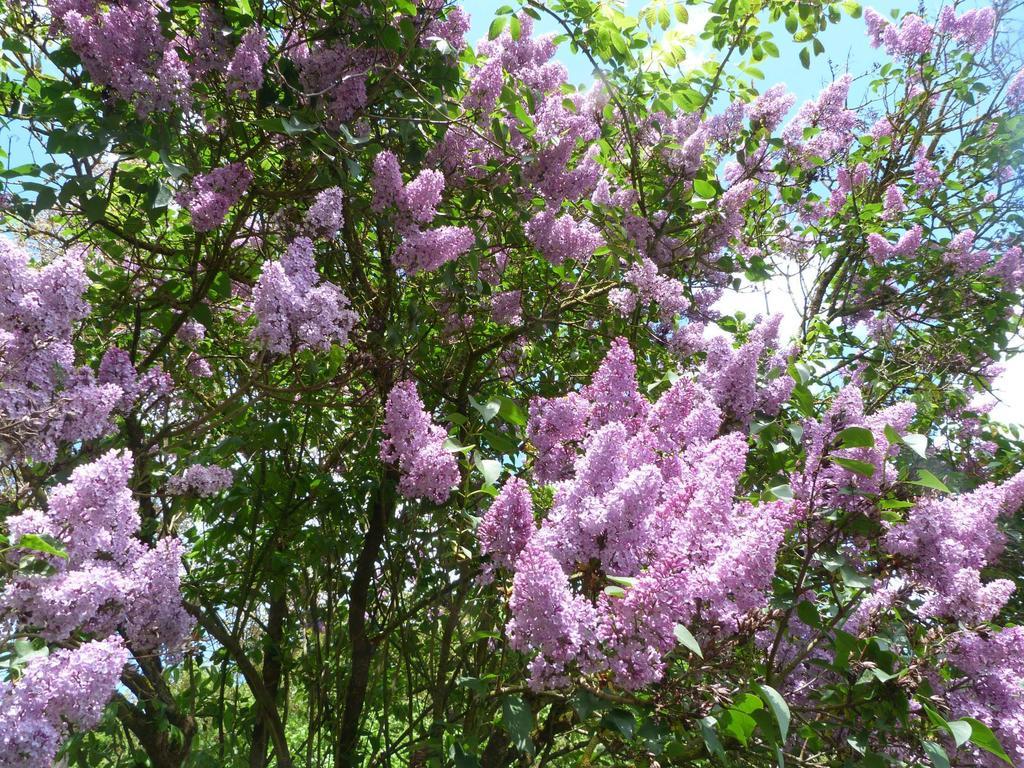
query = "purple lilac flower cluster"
x=123 y=47
x=415 y=204
x=108 y=585
x=200 y=480
x=68 y=688
x=209 y=196
x=110 y=580
x=914 y=37
x=48 y=400
x=417 y=445
x=325 y=216
x=643 y=495
x=294 y=309
x=948 y=540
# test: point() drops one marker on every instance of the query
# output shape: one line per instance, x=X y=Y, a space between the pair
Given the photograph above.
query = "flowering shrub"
x=370 y=393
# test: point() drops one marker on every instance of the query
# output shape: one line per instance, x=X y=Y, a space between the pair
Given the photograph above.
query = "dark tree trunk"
x=272 y=664
x=382 y=507
x=164 y=748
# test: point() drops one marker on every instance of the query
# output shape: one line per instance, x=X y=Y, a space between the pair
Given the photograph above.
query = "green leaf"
x=293 y=126
x=927 y=480
x=782 y=491
x=711 y=741
x=622 y=581
x=45 y=198
x=463 y=759
x=454 y=446
x=585 y=703
x=517 y=720
x=961 y=731
x=36 y=543
x=474 y=684
x=807 y=612
x=686 y=638
x=621 y=720
x=511 y=412
x=497 y=27
x=162 y=196
x=936 y=754
x=983 y=738
x=917 y=443
x=490 y=469
x=856 y=437
x=487 y=410
x=704 y=189
x=805 y=58
x=779 y=708
x=855 y=466
x=738 y=724
x=94 y=208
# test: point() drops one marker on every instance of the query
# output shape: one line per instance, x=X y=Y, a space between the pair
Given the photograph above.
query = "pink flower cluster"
x=122 y=47
x=68 y=688
x=991 y=688
x=645 y=508
x=451 y=27
x=827 y=114
x=294 y=309
x=413 y=442
x=325 y=215
x=881 y=250
x=948 y=540
x=732 y=375
x=200 y=480
x=336 y=76
x=508 y=524
x=561 y=238
x=430 y=249
x=416 y=204
x=770 y=107
x=110 y=580
x=960 y=253
x=507 y=307
x=47 y=400
x=826 y=483
x=209 y=196
x=245 y=70
x=1015 y=91
x=914 y=36
x=650 y=287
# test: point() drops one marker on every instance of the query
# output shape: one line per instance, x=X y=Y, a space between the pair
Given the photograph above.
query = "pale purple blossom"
x=201 y=480
x=245 y=70
x=294 y=309
x=209 y=197
x=417 y=445
x=428 y=250
x=559 y=238
x=507 y=525
x=326 y=214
